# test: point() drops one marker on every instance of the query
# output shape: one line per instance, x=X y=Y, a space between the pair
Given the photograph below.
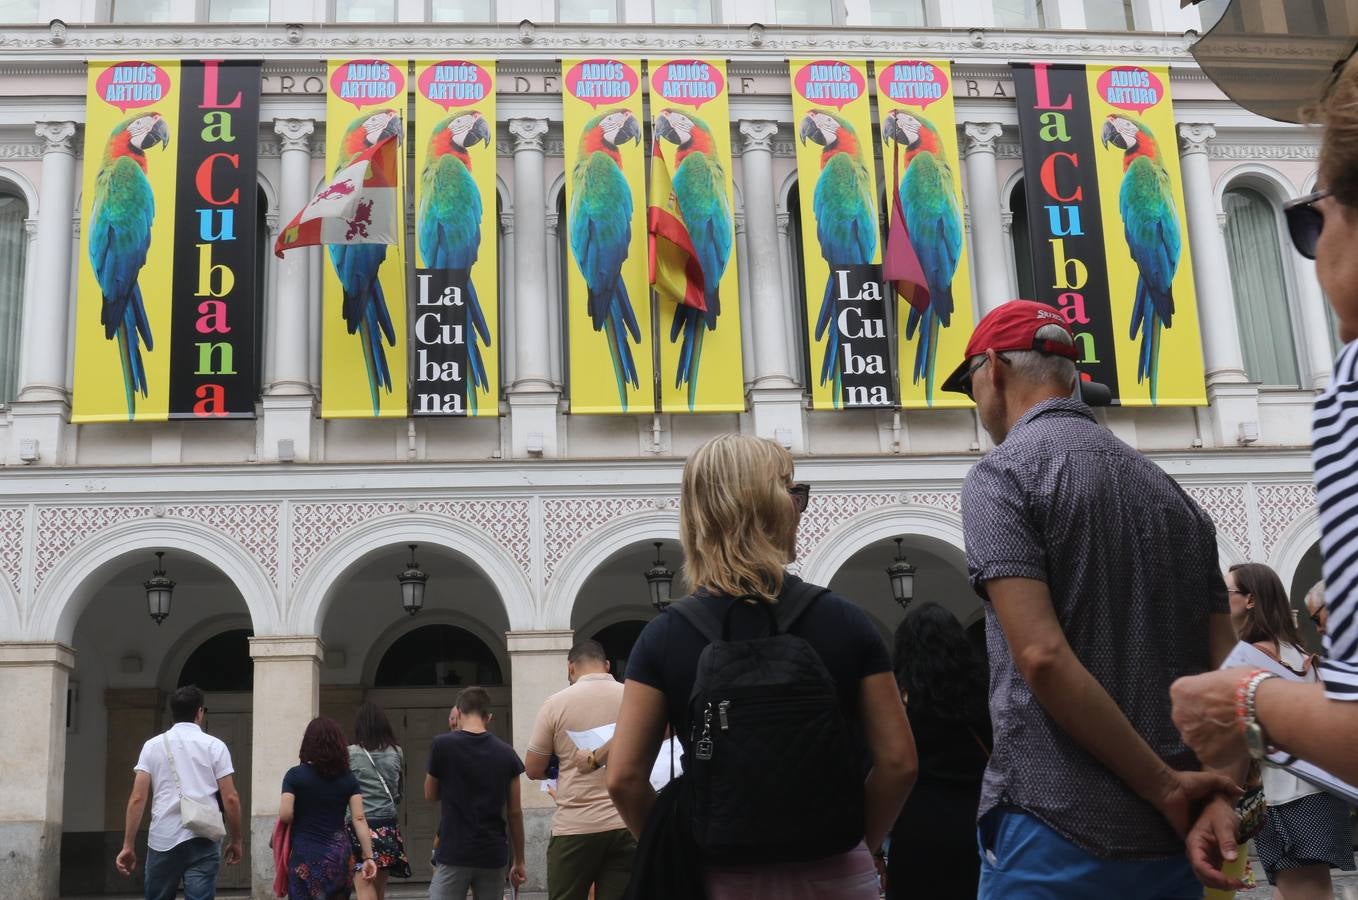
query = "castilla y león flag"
x=357 y=206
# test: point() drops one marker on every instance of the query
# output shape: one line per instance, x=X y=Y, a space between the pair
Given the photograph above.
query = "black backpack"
x=773 y=769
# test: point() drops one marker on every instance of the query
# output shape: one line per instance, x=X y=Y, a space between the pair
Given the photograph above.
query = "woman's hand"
x=1205 y=713
x=369 y=870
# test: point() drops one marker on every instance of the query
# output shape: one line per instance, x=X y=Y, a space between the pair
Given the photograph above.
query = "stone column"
x=983 y=200
x=792 y=327
x=1233 y=400
x=537 y=663
x=775 y=398
x=289 y=403
x=286 y=699
x=532 y=397
x=270 y=301
x=555 y=292
x=507 y=334
x=33 y=777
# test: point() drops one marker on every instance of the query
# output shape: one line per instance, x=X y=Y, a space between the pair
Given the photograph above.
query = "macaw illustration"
x=699 y=183
x=846 y=221
x=357 y=265
x=933 y=224
x=450 y=225
x=120 y=235
x=1151 y=225
x=601 y=233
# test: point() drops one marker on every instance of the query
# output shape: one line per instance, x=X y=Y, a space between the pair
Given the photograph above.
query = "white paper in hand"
x=592 y=739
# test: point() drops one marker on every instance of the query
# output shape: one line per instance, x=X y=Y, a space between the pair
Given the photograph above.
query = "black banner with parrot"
x=1106 y=215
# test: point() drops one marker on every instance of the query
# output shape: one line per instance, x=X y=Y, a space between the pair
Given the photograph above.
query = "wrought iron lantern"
x=902 y=576
x=412 y=584
x=159 y=591
x=659 y=578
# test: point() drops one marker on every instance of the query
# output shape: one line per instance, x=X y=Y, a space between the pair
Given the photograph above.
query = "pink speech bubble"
x=599 y=81
x=1131 y=88
x=828 y=82
x=455 y=82
x=913 y=82
x=688 y=82
x=364 y=82
x=132 y=85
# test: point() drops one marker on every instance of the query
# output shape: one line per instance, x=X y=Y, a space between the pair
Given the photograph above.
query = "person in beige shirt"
x=590 y=845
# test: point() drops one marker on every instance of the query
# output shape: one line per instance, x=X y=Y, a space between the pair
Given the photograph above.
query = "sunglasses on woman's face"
x=801 y=495
x=1305 y=222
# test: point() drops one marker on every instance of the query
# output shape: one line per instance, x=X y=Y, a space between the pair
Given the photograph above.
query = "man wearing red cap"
x=1101 y=584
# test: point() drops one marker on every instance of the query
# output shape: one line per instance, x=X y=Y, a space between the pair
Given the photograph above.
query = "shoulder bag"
x=202 y=818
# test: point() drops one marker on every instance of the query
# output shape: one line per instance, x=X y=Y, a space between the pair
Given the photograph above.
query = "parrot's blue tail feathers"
x=825 y=327
x=923 y=350
x=476 y=319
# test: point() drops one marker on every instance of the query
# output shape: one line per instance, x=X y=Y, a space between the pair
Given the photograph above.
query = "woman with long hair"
x=738 y=515
x=1306 y=830
x=378 y=763
x=316 y=794
x=933 y=844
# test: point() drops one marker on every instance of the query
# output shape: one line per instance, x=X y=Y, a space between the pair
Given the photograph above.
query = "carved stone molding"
x=566 y=522
x=758 y=134
x=57 y=137
x=826 y=512
x=1008 y=150
x=1279 y=506
x=1270 y=152
x=981 y=137
x=528 y=134
x=1194 y=137
x=949 y=500
x=1226 y=505
x=295 y=133
x=12 y=545
x=20 y=150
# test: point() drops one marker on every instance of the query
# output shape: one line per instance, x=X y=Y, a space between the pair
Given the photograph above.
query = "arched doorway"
x=614 y=603
x=617 y=640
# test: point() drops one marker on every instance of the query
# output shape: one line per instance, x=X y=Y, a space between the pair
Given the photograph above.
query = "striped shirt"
x=1334 y=451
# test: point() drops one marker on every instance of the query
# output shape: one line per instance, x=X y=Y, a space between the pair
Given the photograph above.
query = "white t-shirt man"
x=200 y=759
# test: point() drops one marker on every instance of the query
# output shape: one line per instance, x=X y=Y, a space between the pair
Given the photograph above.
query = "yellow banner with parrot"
x=846 y=322
x=612 y=368
x=456 y=329
x=691 y=225
x=926 y=261
x=363 y=295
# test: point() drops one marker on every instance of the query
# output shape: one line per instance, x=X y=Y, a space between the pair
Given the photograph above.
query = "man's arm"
x=535 y=764
x=431 y=789
x=136 y=808
x=517 y=874
x=1081 y=706
x=226 y=786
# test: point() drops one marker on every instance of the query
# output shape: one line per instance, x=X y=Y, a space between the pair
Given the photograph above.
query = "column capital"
x=759 y=134
x=1221 y=222
x=784 y=219
x=1007 y=222
x=287 y=647
x=31 y=228
x=58 y=137
x=1193 y=137
x=981 y=137
x=507 y=224
x=740 y=223
x=296 y=133
x=36 y=653
x=271 y=221
x=528 y=133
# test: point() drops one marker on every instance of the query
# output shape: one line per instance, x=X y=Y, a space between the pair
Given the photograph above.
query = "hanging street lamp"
x=159 y=591
x=412 y=585
x=902 y=576
x=659 y=579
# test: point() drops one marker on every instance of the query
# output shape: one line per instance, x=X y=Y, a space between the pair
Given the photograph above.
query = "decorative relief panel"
x=1279 y=506
x=253 y=525
x=1226 y=506
x=314 y=525
x=949 y=500
x=827 y=512
x=507 y=521
x=12 y=544
x=567 y=521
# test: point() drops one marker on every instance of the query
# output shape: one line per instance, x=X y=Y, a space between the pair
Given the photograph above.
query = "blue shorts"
x=1023 y=859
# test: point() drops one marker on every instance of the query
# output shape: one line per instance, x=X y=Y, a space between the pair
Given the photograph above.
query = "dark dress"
x=321 y=863
x=933 y=843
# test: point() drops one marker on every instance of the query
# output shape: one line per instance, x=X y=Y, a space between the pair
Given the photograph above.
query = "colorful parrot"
x=601 y=232
x=699 y=184
x=120 y=235
x=1151 y=225
x=450 y=225
x=846 y=221
x=357 y=265
x=933 y=225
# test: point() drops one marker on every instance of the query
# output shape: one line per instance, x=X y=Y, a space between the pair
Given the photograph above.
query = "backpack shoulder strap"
x=692 y=610
x=797 y=598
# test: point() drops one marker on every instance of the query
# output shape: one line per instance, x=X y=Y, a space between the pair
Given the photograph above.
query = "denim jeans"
x=196 y=861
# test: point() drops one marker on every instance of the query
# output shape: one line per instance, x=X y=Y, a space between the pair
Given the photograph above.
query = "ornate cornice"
x=1274 y=152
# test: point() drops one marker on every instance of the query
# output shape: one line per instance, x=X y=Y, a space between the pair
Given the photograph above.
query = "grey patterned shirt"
x=1131 y=563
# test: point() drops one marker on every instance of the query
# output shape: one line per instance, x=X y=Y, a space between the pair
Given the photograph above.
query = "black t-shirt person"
x=474 y=771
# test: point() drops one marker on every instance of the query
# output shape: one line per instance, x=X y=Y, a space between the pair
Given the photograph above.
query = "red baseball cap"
x=1011 y=326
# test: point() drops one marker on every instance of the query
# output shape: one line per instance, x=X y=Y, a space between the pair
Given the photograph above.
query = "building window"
x=13 y=244
x=593 y=12
x=358 y=11
x=18 y=12
x=804 y=12
x=1260 y=287
x=238 y=10
x=135 y=12
x=1022 y=239
x=221 y=663
x=462 y=11
x=682 y=12
x=900 y=13
x=438 y=656
x=1109 y=15
x=1018 y=13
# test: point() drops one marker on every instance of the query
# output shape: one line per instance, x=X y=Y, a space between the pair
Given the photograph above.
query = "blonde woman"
x=738 y=517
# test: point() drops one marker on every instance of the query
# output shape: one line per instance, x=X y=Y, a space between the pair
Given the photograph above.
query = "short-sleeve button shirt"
x=200 y=760
x=1131 y=563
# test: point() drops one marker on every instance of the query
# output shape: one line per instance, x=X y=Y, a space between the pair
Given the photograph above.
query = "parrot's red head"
x=367 y=131
x=831 y=132
x=456 y=134
x=913 y=133
x=688 y=133
x=133 y=137
x=609 y=131
x=1131 y=137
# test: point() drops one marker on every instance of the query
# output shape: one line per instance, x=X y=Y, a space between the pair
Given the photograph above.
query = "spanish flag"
x=676 y=273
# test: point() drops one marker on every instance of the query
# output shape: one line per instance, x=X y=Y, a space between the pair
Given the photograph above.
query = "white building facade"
x=285 y=533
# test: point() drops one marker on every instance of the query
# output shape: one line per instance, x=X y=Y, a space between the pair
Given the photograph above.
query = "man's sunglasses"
x=1305 y=222
x=965 y=381
x=801 y=495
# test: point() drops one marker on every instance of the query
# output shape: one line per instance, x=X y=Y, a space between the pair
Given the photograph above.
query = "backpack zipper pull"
x=704 y=745
x=721 y=713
